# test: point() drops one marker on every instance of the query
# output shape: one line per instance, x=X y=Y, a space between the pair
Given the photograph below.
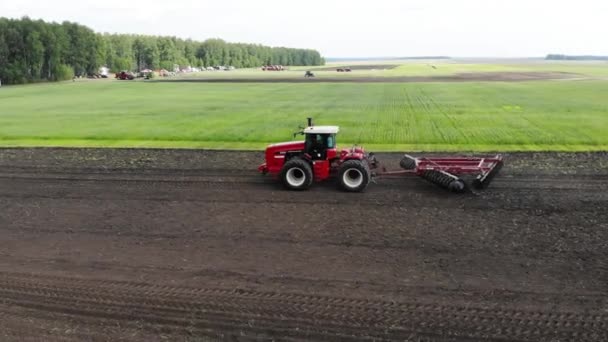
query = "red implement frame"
x=483 y=168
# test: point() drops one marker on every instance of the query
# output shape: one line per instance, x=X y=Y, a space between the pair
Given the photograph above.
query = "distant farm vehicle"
x=343 y=70
x=125 y=75
x=297 y=164
x=273 y=68
x=145 y=73
x=103 y=72
x=309 y=74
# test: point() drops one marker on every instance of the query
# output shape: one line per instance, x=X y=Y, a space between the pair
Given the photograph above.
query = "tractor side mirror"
x=300 y=132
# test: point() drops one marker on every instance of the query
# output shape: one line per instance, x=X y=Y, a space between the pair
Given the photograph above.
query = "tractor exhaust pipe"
x=309 y=122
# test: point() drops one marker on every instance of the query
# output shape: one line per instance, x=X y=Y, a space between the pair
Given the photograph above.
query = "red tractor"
x=125 y=75
x=297 y=164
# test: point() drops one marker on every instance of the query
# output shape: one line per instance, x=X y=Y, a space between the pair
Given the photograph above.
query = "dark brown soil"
x=463 y=77
x=186 y=245
x=361 y=67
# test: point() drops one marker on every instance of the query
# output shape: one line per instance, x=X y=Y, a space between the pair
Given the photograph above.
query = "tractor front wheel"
x=296 y=174
x=354 y=176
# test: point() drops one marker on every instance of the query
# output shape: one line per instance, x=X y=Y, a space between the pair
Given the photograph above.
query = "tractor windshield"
x=318 y=144
x=331 y=141
x=320 y=141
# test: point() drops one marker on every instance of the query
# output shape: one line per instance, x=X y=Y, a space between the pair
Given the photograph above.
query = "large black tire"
x=296 y=174
x=354 y=175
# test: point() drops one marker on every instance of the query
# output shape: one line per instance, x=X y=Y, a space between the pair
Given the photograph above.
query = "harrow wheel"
x=296 y=174
x=354 y=175
x=408 y=163
x=445 y=180
x=457 y=186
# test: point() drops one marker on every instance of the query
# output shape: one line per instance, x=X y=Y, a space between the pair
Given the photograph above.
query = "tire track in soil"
x=540 y=209
x=289 y=314
x=235 y=180
x=475 y=200
x=247 y=176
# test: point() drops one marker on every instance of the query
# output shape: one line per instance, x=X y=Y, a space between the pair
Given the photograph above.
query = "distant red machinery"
x=125 y=75
x=297 y=164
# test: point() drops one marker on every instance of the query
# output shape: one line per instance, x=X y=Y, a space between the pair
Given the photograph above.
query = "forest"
x=35 y=50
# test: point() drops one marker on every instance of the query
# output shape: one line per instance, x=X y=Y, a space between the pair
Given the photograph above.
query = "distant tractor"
x=298 y=163
x=125 y=75
x=103 y=72
x=309 y=74
x=343 y=70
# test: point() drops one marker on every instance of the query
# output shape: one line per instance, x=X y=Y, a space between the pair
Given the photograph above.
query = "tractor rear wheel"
x=354 y=175
x=296 y=174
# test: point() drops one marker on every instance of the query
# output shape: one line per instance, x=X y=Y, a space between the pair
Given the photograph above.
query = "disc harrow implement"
x=455 y=174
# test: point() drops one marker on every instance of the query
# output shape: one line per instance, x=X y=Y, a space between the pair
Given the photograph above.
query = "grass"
x=472 y=116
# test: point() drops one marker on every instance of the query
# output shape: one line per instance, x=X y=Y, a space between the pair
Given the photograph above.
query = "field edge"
x=253 y=146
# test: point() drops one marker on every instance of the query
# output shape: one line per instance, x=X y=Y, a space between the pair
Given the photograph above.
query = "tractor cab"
x=320 y=142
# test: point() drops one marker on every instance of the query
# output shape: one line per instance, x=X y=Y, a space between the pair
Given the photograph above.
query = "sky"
x=363 y=28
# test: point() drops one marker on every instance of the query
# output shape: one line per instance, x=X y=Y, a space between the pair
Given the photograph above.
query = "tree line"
x=35 y=50
x=557 y=57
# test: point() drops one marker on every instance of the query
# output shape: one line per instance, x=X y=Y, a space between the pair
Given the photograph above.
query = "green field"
x=567 y=115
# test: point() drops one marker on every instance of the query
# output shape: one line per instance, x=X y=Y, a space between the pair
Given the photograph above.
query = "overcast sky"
x=340 y=28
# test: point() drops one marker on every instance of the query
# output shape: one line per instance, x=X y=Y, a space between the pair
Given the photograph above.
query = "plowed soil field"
x=186 y=245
